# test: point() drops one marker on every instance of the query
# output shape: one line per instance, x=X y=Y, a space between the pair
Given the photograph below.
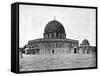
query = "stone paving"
x=47 y=62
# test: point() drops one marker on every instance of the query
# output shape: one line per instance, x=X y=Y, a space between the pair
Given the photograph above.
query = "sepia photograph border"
x=15 y=36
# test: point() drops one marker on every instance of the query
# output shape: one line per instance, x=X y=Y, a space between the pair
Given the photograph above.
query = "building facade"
x=85 y=48
x=55 y=42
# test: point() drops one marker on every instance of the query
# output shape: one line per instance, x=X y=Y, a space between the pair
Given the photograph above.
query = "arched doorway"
x=52 y=51
x=75 y=50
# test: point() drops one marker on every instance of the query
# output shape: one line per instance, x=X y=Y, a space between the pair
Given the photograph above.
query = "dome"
x=54 y=26
x=85 y=42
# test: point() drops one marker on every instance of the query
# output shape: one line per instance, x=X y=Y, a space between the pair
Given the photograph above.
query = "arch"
x=75 y=50
x=52 y=51
x=50 y=35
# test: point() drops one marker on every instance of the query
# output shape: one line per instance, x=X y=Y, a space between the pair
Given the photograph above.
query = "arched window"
x=45 y=35
x=57 y=35
x=75 y=50
x=54 y=34
x=50 y=35
x=52 y=51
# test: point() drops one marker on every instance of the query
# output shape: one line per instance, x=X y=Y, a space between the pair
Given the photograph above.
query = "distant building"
x=55 y=42
x=85 y=47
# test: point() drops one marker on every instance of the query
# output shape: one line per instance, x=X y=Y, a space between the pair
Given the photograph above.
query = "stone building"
x=54 y=41
x=85 y=47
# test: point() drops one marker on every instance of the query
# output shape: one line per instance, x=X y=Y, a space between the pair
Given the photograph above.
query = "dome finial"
x=54 y=17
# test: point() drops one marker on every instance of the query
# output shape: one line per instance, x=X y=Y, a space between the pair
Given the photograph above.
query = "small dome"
x=54 y=26
x=85 y=42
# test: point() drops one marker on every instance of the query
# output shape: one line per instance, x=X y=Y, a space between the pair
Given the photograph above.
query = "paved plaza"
x=47 y=62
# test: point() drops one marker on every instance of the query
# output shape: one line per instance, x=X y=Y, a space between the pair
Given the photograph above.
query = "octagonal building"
x=54 y=41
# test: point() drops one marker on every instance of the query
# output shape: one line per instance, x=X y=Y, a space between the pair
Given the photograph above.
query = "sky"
x=79 y=23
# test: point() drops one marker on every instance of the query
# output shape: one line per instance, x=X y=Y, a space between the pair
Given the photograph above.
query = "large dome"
x=54 y=26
